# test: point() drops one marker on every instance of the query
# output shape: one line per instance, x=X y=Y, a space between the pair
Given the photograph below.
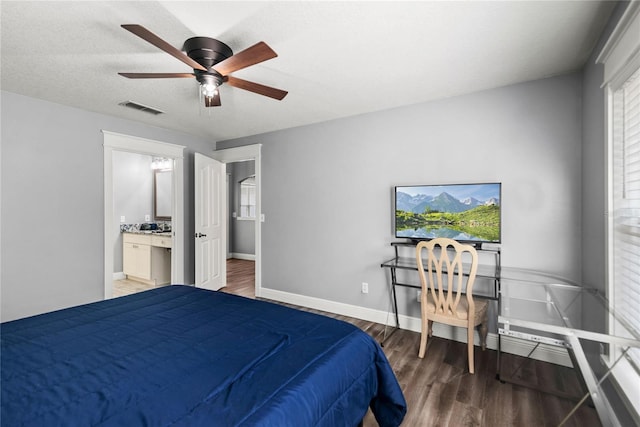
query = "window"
x=621 y=58
x=625 y=200
x=248 y=198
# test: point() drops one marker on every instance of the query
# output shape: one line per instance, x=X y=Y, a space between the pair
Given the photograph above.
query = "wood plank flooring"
x=126 y=287
x=440 y=391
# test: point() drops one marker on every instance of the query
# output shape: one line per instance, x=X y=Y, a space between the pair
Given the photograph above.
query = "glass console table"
x=546 y=310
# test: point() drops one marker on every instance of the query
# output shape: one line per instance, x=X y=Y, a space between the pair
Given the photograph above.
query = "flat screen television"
x=467 y=213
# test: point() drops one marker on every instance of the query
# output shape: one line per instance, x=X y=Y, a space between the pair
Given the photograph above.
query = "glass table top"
x=546 y=299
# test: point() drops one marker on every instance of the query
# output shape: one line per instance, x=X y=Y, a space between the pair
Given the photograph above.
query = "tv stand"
x=488 y=268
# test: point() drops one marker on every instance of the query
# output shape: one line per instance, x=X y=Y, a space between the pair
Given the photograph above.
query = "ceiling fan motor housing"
x=206 y=51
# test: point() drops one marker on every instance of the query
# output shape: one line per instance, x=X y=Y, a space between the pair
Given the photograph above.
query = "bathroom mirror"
x=162 y=195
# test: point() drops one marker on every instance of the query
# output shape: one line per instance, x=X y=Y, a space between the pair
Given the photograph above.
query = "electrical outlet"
x=418 y=295
x=365 y=288
x=122 y=219
x=147 y=217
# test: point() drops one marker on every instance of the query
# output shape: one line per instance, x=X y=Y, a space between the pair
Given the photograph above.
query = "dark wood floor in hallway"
x=440 y=391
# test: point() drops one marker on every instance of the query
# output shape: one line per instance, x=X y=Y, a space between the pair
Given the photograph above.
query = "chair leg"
x=423 y=337
x=470 y=332
x=483 y=334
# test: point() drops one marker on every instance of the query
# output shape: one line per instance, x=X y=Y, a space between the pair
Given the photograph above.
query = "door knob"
x=200 y=235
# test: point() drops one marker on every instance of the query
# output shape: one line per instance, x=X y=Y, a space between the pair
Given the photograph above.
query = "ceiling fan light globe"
x=209 y=89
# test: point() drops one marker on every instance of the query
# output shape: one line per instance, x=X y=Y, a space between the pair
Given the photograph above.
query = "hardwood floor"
x=240 y=278
x=440 y=391
x=126 y=287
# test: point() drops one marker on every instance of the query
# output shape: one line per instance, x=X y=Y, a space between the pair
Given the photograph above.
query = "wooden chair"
x=451 y=303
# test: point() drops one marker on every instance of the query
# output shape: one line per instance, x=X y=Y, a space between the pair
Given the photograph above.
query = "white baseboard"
x=545 y=353
x=248 y=257
x=119 y=276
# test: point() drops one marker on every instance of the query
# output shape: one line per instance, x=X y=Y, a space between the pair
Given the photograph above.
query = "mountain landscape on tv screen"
x=423 y=216
x=444 y=202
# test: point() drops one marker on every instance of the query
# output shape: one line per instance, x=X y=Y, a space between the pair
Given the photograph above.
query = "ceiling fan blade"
x=148 y=36
x=155 y=75
x=250 y=56
x=212 y=101
x=271 y=92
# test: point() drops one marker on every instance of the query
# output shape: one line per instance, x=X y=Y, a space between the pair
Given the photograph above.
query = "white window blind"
x=248 y=197
x=625 y=175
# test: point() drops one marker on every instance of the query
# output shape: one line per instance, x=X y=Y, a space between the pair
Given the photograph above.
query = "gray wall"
x=132 y=195
x=327 y=188
x=242 y=232
x=53 y=203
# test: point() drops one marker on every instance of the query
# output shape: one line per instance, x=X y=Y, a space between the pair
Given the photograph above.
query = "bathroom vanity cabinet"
x=147 y=257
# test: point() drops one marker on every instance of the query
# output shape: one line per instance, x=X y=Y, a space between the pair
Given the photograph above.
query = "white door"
x=210 y=223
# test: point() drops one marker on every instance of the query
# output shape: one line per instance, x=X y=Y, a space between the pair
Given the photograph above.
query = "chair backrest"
x=445 y=259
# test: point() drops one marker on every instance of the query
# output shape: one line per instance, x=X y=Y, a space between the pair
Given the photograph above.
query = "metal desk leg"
x=590 y=380
x=395 y=299
x=498 y=366
x=395 y=308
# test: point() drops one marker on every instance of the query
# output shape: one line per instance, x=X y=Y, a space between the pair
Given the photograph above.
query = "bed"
x=184 y=356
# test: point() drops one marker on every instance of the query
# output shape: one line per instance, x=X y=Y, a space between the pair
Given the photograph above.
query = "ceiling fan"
x=212 y=62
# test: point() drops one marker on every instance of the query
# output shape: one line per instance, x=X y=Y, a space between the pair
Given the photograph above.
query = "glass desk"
x=547 y=310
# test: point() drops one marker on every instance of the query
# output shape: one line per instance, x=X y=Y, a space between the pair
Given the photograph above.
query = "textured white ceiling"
x=336 y=59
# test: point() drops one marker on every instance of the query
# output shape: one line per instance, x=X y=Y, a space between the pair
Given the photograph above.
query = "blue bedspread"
x=183 y=356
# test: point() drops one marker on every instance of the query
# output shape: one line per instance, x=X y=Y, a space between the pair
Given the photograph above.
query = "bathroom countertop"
x=155 y=232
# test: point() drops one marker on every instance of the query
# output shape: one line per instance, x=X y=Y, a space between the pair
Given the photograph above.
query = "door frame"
x=240 y=154
x=133 y=144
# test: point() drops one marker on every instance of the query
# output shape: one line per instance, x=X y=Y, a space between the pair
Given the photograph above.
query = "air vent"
x=140 y=107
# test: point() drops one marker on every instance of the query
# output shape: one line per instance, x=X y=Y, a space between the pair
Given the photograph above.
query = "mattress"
x=184 y=356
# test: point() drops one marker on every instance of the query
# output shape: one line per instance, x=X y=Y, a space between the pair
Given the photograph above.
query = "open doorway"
x=142 y=197
x=248 y=153
x=241 y=218
x=114 y=143
x=241 y=211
